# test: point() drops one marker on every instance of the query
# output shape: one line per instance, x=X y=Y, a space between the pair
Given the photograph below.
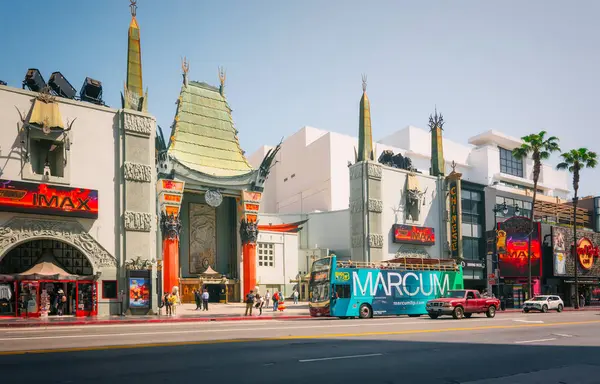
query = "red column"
x=249 y=260
x=170 y=263
x=170 y=227
x=249 y=235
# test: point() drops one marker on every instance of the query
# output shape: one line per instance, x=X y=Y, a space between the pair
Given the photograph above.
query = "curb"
x=146 y=321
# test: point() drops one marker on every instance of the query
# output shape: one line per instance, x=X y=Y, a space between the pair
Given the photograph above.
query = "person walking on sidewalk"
x=167 y=302
x=197 y=298
x=295 y=296
x=267 y=298
x=260 y=301
x=205 y=300
x=275 y=300
x=249 y=303
x=61 y=300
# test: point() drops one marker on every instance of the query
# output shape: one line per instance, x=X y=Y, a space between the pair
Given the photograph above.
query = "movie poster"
x=139 y=292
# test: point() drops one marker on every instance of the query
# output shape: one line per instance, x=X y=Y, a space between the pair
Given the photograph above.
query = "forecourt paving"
x=544 y=348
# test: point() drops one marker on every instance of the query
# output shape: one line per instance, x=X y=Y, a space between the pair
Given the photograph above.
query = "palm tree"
x=540 y=148
x=575 y=160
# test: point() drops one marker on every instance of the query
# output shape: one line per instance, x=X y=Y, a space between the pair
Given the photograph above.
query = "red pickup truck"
x=462 y=303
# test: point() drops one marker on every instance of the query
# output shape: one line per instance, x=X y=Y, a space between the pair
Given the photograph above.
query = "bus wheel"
x=365 y=311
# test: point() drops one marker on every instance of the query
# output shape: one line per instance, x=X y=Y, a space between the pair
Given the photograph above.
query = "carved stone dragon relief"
x=137 y=124
x=20 y=229
x=137 y=172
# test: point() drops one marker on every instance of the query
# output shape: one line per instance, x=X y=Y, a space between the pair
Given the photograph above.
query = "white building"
x=77 y=191
x=311 y=173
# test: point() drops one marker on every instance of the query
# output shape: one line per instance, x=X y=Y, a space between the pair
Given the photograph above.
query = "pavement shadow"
x=364 y=361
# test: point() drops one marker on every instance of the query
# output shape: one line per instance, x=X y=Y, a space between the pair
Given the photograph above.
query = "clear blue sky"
x=515 y=66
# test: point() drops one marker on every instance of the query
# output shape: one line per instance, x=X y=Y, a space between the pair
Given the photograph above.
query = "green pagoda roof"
x=204 y=138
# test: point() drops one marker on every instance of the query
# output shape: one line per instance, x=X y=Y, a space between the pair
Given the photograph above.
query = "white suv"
x=543 y=304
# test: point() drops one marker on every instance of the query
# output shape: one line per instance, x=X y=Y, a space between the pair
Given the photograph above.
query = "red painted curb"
x=146 y=321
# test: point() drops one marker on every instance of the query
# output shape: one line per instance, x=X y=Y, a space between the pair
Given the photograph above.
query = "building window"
x=510 y=164
x=472 y=224
x=512 y=204
x=109 y=289
x=266 y=254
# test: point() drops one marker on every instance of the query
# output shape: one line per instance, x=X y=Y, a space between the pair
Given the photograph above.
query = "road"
x=511 y=348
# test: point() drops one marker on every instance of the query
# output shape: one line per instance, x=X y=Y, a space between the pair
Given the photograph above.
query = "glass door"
x=86 y=298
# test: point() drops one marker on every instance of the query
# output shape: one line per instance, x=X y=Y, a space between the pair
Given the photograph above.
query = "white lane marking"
x=339 y=357
x=530 y=321
x=561 y=335
x=534 y=341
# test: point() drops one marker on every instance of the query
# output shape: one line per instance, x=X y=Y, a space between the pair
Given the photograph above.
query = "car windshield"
x=540 y=298
x=455 y=294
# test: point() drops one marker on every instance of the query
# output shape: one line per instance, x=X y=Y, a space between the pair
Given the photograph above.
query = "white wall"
x=319 y=162
x=92 y=154
x=393 y=191
x=286 y=260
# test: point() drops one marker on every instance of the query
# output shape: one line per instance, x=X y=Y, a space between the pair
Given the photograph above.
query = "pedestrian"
x=275 y=300
x=249 y=303
x=174 y=299
x=295 y=296
x=267 y=298
x=260 y=301
x=581 y=300
x=167 y=302
x=205 y=300
x=61 y=301
x=197 y=298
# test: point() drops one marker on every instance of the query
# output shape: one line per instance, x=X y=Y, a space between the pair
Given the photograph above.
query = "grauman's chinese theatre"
x=208 y=228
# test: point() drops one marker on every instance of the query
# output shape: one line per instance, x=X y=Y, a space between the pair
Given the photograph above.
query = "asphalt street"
x=511 y=348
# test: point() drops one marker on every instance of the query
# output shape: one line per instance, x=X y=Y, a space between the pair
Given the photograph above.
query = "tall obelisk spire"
x=134 y=97
x=438 y=165
x=365 y=134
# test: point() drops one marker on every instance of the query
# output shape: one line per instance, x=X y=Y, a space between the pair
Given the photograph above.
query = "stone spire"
x=365 y=134
x=134 y=97
x=436 y=123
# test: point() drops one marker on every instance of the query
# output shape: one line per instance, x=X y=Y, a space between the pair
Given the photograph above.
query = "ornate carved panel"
x=137 y=124
x=356 y=172
x=137 y=172
x=356 y=206
x=357 y=241
x=138 y=221
x=375 y=205
x=19 y=230
x=375 y=240
x=374 y=171
x=203 y=237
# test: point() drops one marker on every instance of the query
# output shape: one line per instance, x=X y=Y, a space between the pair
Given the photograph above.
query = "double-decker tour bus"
x=362 y=289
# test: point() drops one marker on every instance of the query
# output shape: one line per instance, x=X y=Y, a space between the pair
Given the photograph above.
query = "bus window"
x=320 y=292
x=343 y=291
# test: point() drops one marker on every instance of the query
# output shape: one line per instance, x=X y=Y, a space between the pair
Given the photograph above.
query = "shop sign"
x=472 y=264
x=455 y=236
x=44 y=199
x=410 y=234
x=586 y=251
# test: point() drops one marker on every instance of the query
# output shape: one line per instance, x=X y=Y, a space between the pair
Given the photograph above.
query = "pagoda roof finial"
x=185 y=66
x=364 y=83
x=222 y=77
x=133 y=7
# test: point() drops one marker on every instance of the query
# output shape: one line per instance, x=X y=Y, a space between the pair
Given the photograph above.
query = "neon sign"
x=18 y=196
x=586 y=251
x=410 y=234
x=454 y=227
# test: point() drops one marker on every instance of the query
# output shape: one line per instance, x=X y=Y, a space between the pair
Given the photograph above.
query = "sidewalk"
x=185 y=313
